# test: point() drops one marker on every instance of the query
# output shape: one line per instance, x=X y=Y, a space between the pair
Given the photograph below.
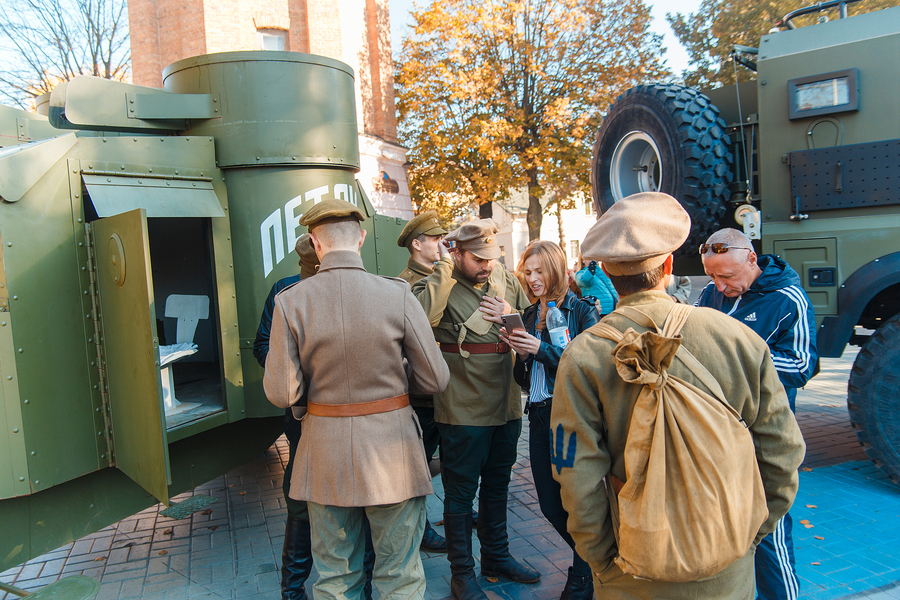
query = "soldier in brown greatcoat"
x=341 y=338
x=422 y=237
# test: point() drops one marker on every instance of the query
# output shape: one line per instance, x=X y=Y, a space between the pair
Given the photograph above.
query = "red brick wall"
x=354 y=31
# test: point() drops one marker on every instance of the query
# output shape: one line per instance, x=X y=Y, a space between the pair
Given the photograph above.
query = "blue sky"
x=676 y=57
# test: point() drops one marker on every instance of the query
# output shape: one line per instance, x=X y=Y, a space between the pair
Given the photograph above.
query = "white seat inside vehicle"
x=188 y=310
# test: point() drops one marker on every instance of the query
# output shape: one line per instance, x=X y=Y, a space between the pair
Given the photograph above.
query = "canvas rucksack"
x=693 y=500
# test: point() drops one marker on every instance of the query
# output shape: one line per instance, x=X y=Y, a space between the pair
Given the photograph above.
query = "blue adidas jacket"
x=778 y=309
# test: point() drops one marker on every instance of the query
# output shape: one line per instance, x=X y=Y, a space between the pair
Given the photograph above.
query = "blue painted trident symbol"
x=557 y=457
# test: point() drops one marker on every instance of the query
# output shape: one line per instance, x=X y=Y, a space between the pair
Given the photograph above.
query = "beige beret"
x=331 y=211
x=424 y=224
x=637 y=233
x=309 y=261
x=478 y=237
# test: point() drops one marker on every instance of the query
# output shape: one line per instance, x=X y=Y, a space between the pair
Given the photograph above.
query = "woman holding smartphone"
x=543 y=270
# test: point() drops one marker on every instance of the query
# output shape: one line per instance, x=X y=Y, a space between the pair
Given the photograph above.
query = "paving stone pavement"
x=232 y=549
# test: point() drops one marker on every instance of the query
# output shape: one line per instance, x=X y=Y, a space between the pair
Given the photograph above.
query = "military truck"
x=806 y=160
x=141 y=231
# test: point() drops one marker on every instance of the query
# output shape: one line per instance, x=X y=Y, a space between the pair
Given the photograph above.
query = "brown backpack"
x=693 y=500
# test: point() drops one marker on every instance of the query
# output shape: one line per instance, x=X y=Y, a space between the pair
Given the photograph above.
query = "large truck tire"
x=873 y=397
x=665 y=138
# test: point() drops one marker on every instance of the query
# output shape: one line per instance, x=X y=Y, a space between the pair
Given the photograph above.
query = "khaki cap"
x=478 y=237
x=331 y=211
x=637 y=233
x=309 y=261
x=424 y=224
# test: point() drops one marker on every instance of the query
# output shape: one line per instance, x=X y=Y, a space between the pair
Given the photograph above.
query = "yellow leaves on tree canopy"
x=504 y=94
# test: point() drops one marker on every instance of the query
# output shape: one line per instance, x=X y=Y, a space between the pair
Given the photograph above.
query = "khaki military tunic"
x=481 y=390
x=415 y=271
x=590 y=398
x=342 y=336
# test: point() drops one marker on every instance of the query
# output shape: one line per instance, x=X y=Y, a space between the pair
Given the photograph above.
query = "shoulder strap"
x=638 y=316
x=678 y=316
x=607 y=331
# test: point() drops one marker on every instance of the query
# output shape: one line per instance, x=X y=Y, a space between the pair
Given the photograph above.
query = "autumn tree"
x=43 y=42
x=710 y=33
x=497 y=95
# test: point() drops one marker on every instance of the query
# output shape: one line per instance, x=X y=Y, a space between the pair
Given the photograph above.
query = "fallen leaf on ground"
x=806 y=469
x=99 y=558
x=243 y=493
x=441 y=522
x=167 y=532
x=804 y=521
x=811 y=506
x=492 y=579
x=163 y=552
x=208 y=511
x=815 y=564
x=818 y=537
x=214 y=527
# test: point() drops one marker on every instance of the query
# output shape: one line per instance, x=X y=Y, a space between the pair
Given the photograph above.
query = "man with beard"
x=479 y=415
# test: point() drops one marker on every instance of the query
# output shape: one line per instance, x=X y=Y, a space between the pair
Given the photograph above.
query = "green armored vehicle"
x=806 y=160
x=141 y=231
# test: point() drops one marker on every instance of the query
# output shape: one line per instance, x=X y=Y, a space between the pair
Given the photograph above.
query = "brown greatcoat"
x=592 y=401
x=342 y=337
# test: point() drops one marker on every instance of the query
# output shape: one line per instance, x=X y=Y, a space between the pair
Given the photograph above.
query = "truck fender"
x=855 y=294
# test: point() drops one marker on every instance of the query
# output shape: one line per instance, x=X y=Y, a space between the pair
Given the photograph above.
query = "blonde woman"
x=542 y=269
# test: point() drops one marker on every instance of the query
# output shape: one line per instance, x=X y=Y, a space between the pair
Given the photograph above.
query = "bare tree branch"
x=44 y=42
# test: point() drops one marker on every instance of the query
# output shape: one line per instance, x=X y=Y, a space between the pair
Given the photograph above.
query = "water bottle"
x=556 y=326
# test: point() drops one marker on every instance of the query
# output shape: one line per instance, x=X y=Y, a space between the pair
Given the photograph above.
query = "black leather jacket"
x=580 y=315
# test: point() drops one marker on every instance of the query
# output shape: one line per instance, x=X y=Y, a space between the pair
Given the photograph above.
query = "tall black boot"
x=296 y=559
x=578 y=587
x=495 y=558
x=368 y=562
x=463 y=585
x=432 y=540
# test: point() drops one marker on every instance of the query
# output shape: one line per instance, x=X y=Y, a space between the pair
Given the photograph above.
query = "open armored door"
x=131 y=349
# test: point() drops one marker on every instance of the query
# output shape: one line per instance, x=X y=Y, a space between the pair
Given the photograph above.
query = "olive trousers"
x=338 y=541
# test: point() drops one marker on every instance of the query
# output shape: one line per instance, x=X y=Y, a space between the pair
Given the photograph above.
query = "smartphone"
x=512 y=322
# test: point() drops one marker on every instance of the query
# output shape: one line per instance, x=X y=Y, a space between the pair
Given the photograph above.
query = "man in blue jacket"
x=765 y=293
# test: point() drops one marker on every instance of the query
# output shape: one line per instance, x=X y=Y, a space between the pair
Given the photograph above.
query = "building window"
x=588 y=207
x=272 y=39
x=575 y=248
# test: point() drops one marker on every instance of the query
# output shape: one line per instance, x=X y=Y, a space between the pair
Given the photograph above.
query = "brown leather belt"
x=498 y=348
x=617 y=483
x=358 y=409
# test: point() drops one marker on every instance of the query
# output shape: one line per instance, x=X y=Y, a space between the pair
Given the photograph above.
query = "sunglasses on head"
x=720 y=248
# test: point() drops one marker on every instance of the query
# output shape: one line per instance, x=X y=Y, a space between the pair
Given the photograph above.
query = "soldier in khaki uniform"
x=479 y=415
x=634 y=241
x=341 y=338
x=422 y=237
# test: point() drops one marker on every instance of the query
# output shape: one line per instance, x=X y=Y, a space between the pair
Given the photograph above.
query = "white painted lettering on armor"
x=272 y=222
x=275 y=237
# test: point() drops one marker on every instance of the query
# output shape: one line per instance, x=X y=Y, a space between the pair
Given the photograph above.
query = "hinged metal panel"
x=113 y=195
x=850 y=176
x=131 y=350
x=170 y=106
x=807 y=257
